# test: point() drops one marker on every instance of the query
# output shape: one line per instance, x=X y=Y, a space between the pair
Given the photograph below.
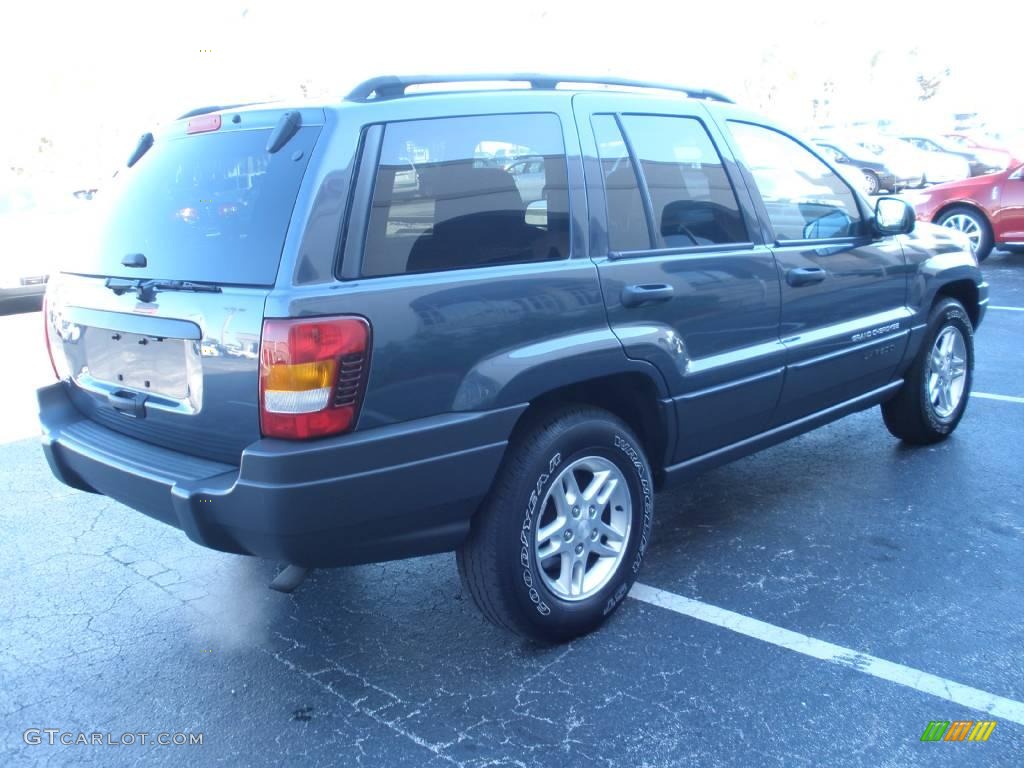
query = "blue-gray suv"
x=348 y=333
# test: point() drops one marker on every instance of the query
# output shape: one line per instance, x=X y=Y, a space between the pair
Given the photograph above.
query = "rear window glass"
x=463 y=192
x=212 y=207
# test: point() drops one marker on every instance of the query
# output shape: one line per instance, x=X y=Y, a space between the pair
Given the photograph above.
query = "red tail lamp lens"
x=312 y=375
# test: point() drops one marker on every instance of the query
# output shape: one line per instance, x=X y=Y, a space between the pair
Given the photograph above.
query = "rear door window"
x=692 y=200
x=211 y=207
x=454 y=193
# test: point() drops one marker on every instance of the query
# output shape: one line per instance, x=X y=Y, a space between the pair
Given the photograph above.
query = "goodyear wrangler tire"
x=561 y=538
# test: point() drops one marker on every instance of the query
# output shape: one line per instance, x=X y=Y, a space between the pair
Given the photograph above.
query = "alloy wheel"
x=583 y=528
x=947 y=371
x=961 y=222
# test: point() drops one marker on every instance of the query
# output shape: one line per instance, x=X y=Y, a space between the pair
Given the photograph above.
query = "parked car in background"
x=979 y=164
x=987 y=148
x=988 y=209
x=894 y=169
x=911 y=161
x=936 y=167
x=872 y=175
x=529 y=176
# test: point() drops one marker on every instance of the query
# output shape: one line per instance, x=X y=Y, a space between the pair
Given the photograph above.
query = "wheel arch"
x=966 y=292
x=969 y=204
x=634 y=397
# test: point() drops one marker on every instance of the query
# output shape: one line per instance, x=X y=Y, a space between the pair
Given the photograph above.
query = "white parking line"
x=1004 y=398
x=1008 y=309
x=974 y=698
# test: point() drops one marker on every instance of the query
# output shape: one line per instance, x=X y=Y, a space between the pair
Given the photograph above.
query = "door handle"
x=635 y=295
x=805 y=276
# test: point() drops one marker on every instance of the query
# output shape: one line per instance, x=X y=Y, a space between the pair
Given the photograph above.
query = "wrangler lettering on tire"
x=563 y=564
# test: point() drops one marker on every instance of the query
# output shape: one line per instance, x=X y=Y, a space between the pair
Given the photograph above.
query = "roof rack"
x=394 y=86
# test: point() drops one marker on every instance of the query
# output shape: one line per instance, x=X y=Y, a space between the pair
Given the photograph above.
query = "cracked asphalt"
x=111 y=622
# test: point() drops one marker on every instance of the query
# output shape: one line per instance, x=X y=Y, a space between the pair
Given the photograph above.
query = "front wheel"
x=934 y=394
x=560 y=540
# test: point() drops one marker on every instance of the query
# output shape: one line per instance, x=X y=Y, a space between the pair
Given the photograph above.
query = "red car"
x=988 y=209
x=988 y=147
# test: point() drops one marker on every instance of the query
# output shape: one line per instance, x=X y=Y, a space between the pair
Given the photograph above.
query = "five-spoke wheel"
x=584 y=524
x=947 y=371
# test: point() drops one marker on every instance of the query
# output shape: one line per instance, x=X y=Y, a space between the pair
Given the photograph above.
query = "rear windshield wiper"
x=146 y=290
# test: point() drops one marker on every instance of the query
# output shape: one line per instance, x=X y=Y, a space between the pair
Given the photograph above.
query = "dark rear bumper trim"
x=398 y=491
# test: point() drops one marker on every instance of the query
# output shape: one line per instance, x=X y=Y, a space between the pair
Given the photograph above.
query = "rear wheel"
x=934 y=395
x=974 y=225
x=560 y=540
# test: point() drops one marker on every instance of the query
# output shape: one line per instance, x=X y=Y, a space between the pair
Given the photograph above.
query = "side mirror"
x=893 y=216
x=1017 y=175
x=833 y=224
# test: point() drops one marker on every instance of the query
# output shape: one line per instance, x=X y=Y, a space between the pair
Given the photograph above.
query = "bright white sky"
x=91 y=76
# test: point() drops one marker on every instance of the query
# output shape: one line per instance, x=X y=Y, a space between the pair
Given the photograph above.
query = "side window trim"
x=688 y=250
x=823 y=241
x=641 y=181
x=771 y=235
x=353 y=236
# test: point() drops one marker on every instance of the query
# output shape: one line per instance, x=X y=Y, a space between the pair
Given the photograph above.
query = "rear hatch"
x=156 y=317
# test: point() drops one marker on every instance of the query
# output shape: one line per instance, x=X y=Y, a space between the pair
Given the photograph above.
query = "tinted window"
x=692 y=200
x=627 y=222
x=211 y=207
x=450 y=194
x=805 y=199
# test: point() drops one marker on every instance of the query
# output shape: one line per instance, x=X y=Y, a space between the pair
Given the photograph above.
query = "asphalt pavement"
x=826 y=600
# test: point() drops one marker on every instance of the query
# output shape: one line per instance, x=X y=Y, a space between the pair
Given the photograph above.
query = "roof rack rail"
x=394 y=86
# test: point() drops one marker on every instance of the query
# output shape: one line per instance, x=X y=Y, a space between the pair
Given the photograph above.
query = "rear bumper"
x=398 y=491
x=907 y=182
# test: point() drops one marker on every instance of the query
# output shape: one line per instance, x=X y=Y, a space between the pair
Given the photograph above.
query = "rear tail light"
x=312 y=375
x=54 y=347
x=46 y=335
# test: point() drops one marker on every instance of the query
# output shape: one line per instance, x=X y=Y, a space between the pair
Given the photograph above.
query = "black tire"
x=984 y=247
x=910 y=415
x=498 y=563
x=871 y=182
